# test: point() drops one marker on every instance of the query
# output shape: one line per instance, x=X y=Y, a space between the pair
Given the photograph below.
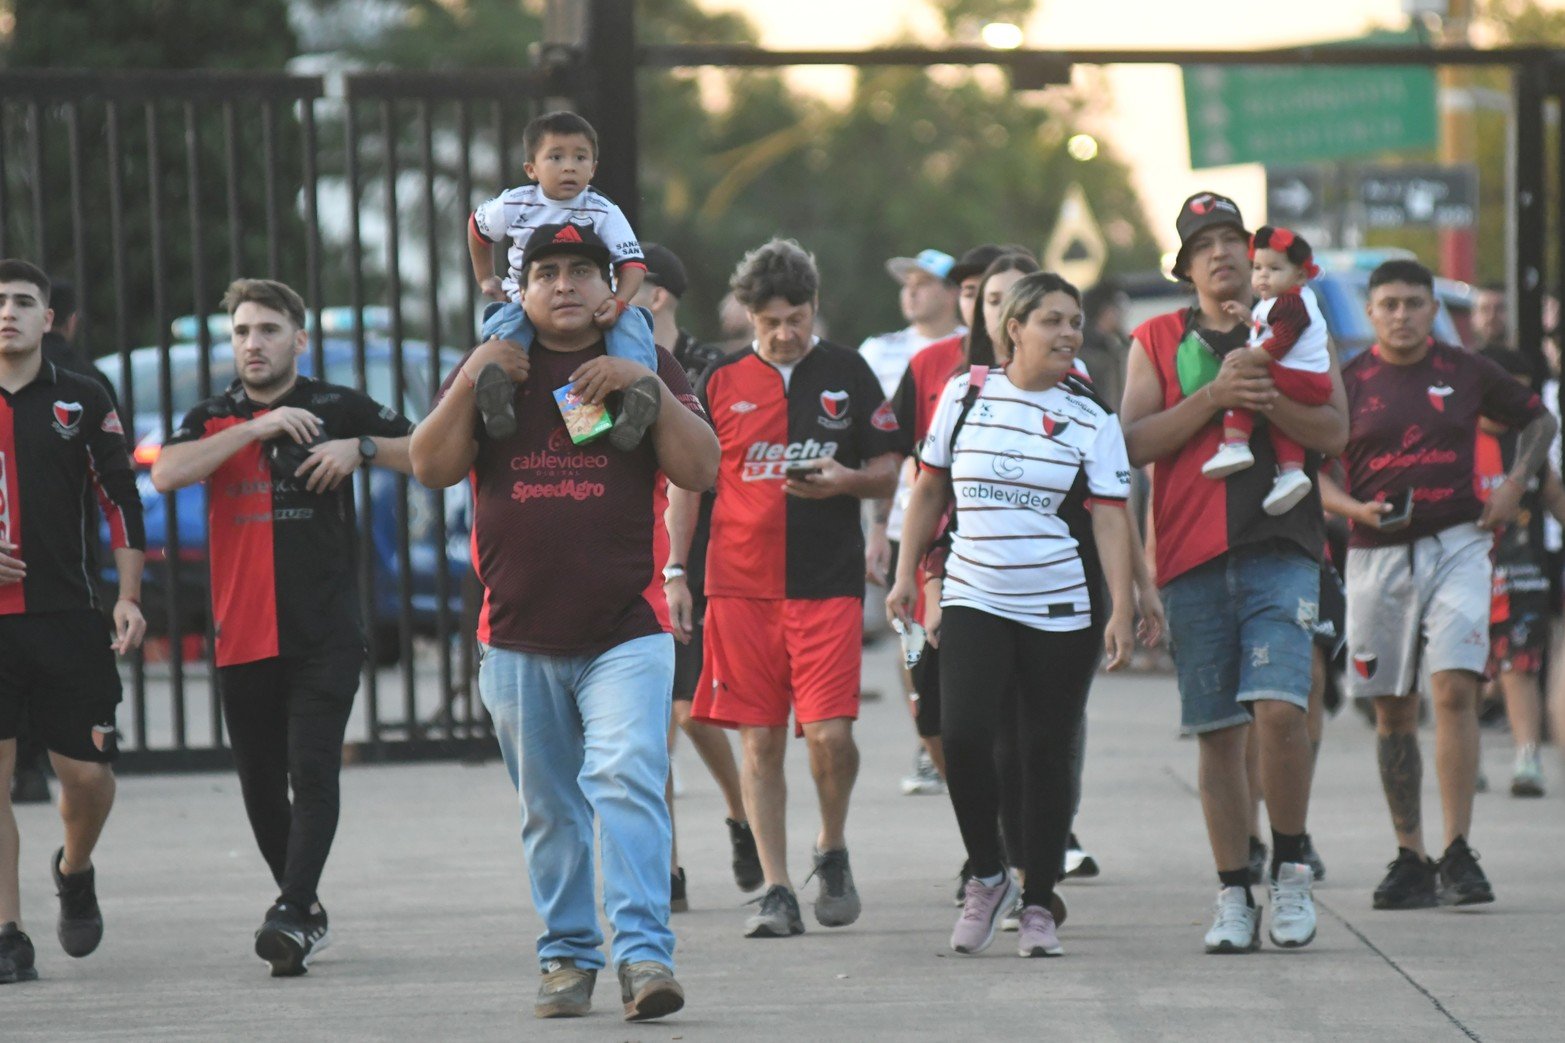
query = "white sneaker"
x=925 y=780
x=1289 y=488
x=1293 y=907
x=1527 y=778
x=1229 y=458
x=1236 y=925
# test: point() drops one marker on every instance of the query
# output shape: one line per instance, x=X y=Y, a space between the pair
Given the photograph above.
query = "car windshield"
x=185 y=377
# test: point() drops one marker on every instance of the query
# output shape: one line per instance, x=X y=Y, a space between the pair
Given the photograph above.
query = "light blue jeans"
x=587 y=736
x=626 y=339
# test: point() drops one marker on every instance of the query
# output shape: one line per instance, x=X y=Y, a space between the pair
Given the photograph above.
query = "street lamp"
x=1002 y=36
x=1082 y=147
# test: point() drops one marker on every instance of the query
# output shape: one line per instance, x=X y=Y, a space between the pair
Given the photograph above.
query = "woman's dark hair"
x=779 y=268
x=1022 y=299
x=980 y=342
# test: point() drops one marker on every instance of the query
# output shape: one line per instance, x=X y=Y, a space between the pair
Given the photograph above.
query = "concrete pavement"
x=434 y=933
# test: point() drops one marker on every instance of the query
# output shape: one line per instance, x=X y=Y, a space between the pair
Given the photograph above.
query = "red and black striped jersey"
x=60 y=439
x=283 y=559
x=765 y=543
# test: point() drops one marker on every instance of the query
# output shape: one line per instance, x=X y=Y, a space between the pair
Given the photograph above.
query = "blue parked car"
x=145 y=431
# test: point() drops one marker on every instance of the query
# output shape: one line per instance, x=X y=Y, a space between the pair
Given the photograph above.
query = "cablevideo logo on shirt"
x=765 y=461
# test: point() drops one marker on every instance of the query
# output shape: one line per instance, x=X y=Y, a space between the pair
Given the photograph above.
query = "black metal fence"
x=150 y=192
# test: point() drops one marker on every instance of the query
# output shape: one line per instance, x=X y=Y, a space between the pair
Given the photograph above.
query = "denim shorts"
x=1241 y=628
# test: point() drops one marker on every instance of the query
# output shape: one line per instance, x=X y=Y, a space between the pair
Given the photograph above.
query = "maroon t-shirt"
x=1415 y=427
x=562 y=533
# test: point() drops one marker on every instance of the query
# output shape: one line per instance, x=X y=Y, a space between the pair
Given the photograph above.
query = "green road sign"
x=1292 y=114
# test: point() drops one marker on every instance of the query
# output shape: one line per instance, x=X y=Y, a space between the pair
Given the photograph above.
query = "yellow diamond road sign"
x=1076 y=248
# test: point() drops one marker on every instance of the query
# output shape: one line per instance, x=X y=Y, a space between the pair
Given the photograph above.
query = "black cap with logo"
x=1202 y=211
x=581 y=240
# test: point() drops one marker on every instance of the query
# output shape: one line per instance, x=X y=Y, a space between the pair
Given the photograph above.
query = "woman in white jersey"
x=1037 y=469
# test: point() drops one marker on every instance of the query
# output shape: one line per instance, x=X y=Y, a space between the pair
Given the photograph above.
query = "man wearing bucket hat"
x=1241 y=587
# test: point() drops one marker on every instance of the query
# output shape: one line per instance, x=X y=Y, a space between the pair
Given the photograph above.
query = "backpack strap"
x=975 y=385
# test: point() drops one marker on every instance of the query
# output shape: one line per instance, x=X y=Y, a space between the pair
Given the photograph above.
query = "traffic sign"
x=1290 y=114
x=1420 y=196
x=1295 y=196
x=1076 y=248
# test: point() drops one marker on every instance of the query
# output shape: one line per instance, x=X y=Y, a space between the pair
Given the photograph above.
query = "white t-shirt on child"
x=1310 y=352
x=516 y=212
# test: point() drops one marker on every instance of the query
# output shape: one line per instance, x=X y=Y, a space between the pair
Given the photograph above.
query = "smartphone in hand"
x=1400 y=515
x=799 y=472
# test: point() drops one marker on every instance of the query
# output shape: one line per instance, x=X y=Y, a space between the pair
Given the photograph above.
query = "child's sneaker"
x=1230 y=458
x=1289 y=488
x=496 y=394
x=638 y=409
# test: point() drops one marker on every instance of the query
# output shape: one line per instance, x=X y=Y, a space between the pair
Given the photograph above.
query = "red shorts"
x=765 y=656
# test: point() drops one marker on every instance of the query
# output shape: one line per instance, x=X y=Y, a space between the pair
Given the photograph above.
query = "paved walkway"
x=435 y=934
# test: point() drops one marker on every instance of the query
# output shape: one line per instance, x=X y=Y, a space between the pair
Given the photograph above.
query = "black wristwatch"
x=367 y=448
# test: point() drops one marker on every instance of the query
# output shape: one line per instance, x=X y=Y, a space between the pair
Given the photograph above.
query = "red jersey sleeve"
x=1288 y=319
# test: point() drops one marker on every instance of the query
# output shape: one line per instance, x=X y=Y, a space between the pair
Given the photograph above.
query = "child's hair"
x=1295 y=247
x=561 y=123
x=269 y=294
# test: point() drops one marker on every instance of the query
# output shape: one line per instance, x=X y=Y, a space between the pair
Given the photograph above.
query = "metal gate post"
x=1529 y=199
x=606 y=83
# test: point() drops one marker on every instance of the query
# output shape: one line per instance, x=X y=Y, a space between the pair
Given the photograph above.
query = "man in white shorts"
x=1418 y=570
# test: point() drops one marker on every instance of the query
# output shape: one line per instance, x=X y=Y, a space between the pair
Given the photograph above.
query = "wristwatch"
x=672 y=571
x=367 y=449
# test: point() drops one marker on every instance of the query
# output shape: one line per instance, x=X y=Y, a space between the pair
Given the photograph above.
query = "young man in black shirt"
x=278 y=449
x=59 y=438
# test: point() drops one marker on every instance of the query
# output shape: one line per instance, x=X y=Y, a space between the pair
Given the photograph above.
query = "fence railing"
x=150 y=192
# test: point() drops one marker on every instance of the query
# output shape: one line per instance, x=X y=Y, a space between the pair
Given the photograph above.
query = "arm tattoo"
x=1532 y=446
x=1402 y=775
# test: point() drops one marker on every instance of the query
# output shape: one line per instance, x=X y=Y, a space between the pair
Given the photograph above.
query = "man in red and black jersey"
x=276 y=449
x=577 y=664
x=806 y=434
x=59 y=438
x=1419 y=569
x=1241 y=587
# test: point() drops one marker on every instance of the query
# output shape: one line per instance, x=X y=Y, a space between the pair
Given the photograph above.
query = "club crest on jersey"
x=835 y=408
x=1053 y=425
x=884 y=418
x=67 y=418
x=111 y=423
x=1364 y=664
x=1438 y=393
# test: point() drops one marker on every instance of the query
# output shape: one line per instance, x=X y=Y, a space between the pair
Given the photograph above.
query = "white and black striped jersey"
x=514 y=213
x=1024 y=466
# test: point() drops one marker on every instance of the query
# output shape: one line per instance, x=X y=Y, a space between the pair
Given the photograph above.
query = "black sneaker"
x=16 y=956
x=747 y=861
x=1258 y=862
x=496 y=394
x=81 y=923
x=638 y=408
x=1461 y=881
x=837 y=902
x=1409 y=883
x=1078 y=864
x=779 y=916
x=1313 y=860
x=29 y=785
x=677 y=902
x=290 y=937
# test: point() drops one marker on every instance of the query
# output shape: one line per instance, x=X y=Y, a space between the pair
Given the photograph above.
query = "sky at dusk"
x=1143 y=119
